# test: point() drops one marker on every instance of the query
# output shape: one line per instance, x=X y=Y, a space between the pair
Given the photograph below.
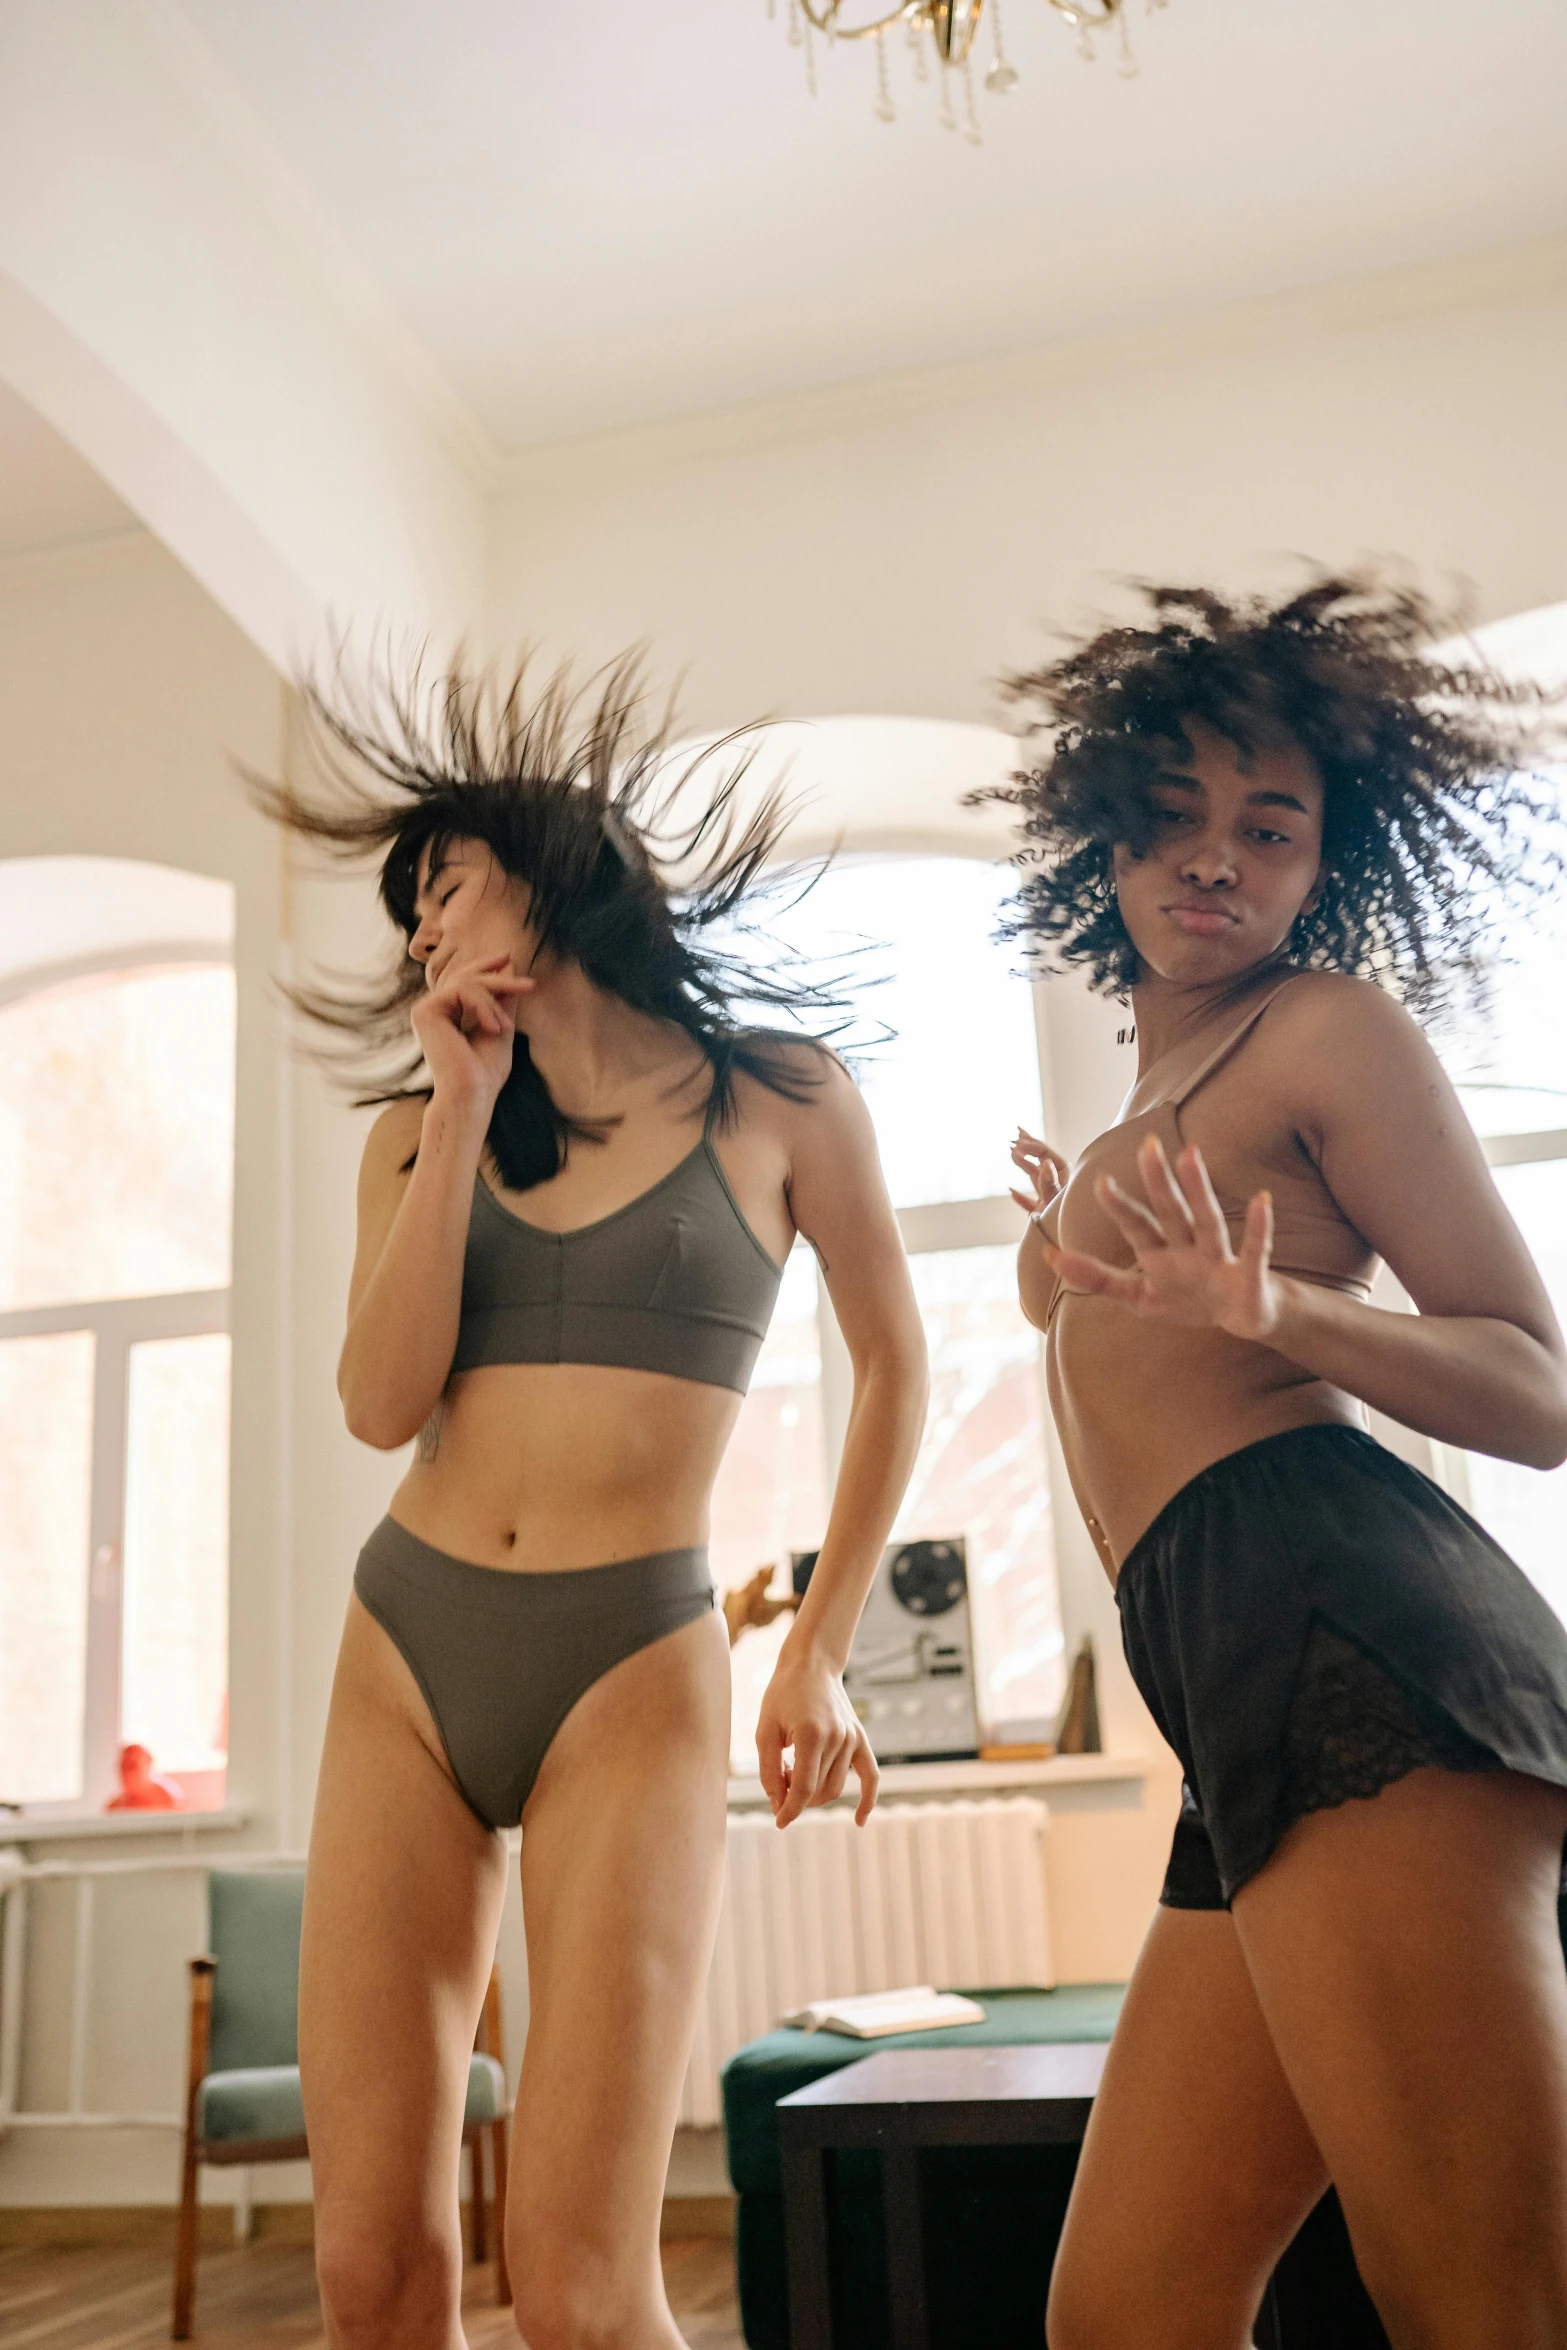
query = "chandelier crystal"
x=946 y=32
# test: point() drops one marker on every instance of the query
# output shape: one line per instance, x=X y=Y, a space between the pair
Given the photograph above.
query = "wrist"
x=807 y=1649
x=459 y=1111
x=1292 y=1309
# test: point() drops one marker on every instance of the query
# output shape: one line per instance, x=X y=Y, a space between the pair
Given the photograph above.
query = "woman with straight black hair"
x=573 y=1216
x=1279 y=830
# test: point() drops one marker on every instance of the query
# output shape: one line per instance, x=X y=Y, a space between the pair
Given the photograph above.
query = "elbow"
x=1540 y=1440
x=897 y=1372
x=1549 y=1449
x=373 y=1424
x=384 y=1422
x=914 y=1380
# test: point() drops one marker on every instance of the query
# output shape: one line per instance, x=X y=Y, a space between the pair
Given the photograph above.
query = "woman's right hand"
x=1044 y=1173
x=467 y=1030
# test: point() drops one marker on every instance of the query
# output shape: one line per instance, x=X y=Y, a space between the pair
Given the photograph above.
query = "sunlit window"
x=116 y=1181
x=960 y=1071
x=981 y=1471
x=1526 y=1509
x=917 y=936
x=1510 y=1064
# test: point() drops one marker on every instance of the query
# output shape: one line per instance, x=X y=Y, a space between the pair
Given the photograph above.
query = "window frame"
x=115 y=1326
x=993 y=1220
x=1450 y=1462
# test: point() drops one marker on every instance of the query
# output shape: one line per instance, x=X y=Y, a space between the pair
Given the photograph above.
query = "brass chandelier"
x=943 y=34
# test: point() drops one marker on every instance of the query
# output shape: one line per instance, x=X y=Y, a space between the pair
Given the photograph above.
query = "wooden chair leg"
x=202 y=1971
x=185 y=2247
x=476 y=2188
x=498 y=2164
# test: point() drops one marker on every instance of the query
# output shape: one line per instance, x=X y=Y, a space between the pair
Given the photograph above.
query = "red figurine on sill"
x=140 y=1787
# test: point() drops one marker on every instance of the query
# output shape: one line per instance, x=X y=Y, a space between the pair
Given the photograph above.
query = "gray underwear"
x=502 y=1657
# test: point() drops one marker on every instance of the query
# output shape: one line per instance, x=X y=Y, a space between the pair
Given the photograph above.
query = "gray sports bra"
x=675 y=1281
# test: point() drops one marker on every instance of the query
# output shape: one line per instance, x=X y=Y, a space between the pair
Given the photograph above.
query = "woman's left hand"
x=805 y=1708
x=1185 y=1270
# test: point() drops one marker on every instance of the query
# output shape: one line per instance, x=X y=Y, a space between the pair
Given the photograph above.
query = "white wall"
x=892 y=546
x=124 y=697
x=174 y=308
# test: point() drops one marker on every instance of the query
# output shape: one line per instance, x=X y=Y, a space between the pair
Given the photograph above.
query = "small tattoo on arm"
x=429 y=1442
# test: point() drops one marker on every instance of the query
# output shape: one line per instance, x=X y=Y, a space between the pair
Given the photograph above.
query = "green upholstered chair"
x=243 y=2102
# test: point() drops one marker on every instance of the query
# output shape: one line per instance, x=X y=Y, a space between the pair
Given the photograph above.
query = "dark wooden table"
x=899 y=2101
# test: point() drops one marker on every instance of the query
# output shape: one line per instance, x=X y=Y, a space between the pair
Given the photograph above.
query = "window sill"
x=74 y=1827
x=974 y=1778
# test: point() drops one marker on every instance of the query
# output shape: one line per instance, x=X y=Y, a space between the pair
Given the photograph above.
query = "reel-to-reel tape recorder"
x=910 y=1675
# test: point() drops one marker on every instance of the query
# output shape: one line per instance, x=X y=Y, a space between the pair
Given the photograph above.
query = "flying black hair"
x=633 y=859
x=1430 y=815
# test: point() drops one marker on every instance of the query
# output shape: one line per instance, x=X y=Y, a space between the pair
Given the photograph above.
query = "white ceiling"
x=49 y=496
x=595 y=214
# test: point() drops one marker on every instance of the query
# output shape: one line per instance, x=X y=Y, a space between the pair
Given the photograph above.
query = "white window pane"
x=46 y=1407
x=117 y=1137
x=771 y=1495
x=1526 y=1509
x=963 y=1069
x=981 y=1473
x=175 y=1640
x=1509 y=1057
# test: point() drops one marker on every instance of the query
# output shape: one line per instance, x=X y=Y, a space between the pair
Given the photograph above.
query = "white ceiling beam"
x=171 y=305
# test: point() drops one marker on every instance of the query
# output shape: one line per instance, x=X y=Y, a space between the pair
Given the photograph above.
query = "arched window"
x=116 y=1183
x=960 y=1071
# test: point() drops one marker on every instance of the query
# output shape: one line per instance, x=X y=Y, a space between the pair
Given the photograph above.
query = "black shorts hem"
x=1321 y=1526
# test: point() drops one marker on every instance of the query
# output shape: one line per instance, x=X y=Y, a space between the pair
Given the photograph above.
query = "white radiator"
x=946 y=1893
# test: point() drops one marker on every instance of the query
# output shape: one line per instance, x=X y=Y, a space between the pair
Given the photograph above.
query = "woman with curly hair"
x=573 y=1215
x=1280 y=830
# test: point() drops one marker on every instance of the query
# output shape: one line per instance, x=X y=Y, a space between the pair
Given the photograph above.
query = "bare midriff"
x=1143 y=1408
x=540 y=1466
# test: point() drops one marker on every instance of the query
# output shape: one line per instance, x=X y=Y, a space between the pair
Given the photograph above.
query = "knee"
x=1090 y=2309
x=383 y=2285
x=1081 y=2313
x=560 y=2304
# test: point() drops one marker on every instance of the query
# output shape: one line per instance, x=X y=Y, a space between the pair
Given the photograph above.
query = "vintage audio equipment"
x=910 y=1675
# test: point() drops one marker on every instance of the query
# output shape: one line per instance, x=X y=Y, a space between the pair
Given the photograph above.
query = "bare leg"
x=1407 y=1961
x=402 y=1903
x=1197 y=2168
x=622 y=1865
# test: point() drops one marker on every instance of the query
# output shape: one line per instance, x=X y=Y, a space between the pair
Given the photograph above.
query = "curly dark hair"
x=1431 y=812
x=642 y=865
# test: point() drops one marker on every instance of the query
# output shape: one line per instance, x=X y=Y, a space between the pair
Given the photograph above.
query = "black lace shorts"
x=1311 y=1619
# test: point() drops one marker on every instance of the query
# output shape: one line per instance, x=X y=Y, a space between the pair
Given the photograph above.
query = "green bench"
x=993 y=2212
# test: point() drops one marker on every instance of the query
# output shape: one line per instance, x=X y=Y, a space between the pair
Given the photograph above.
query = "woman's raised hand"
x=1044 y=1173
x=467 y=1028
x=1185 y=1270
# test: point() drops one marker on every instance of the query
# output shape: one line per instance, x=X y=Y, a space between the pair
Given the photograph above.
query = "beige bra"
x=1314 y=1244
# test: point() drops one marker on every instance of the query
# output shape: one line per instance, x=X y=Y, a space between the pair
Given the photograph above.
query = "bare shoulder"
x=1341 y=1025
x=811 y=1102
x=1345 y=1056
x=392 y=1142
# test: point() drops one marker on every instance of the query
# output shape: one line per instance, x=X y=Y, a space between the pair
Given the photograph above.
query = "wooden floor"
x=263 y=2297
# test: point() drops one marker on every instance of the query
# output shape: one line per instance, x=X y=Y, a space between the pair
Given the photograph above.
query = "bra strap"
x=714 y=1105
x=1225 y=1046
